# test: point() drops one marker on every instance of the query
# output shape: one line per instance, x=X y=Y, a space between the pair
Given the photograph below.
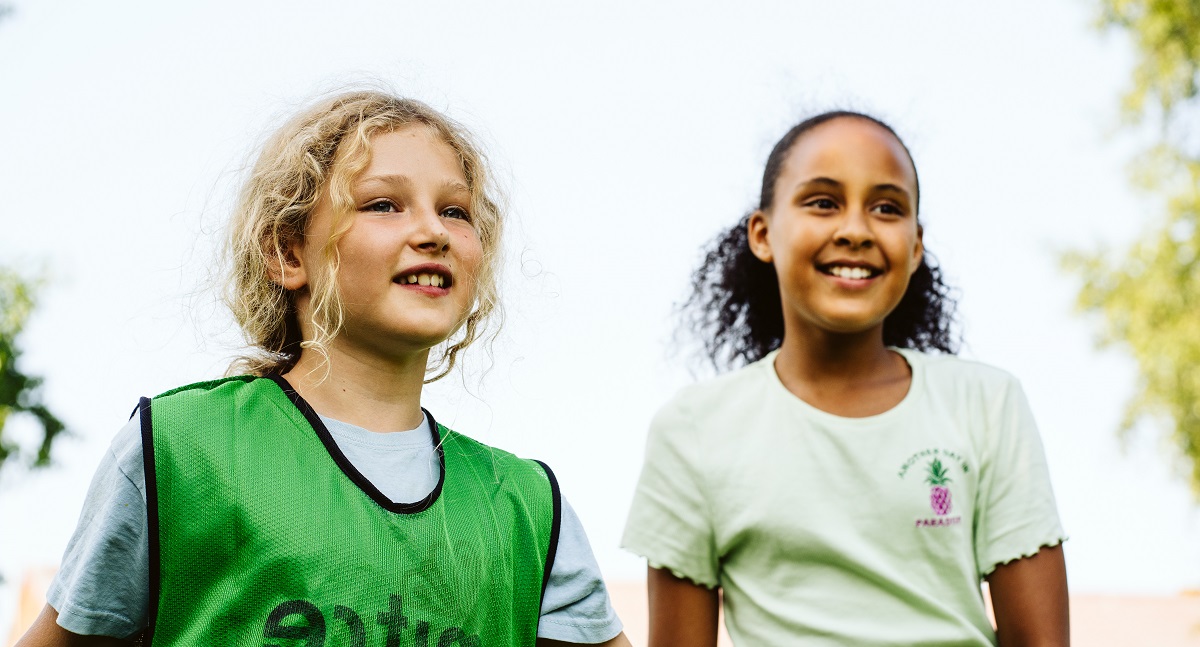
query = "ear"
x=756 y=232
x=285 y=266
x=918 y=250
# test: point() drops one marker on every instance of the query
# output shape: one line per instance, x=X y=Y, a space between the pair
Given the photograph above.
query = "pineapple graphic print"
x=939 y=494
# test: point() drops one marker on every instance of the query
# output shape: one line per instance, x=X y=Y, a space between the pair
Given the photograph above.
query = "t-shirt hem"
x=88 y=622
x=1050 y=543
x=583 y=633
x=681 y=575
x=669 y=560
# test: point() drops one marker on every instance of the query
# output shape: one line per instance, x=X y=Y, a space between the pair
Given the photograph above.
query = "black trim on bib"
x=155 y=556
x=350 y=470
x=555 y=526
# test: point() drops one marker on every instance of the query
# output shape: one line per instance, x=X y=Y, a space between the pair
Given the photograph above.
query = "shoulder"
x=942 y=372
x=223 y=399
x=222 y=385
x=987 y=399
x=529 y=484
x=214 y=408
x=510 y=465
x=701 y=424
x=725 y=394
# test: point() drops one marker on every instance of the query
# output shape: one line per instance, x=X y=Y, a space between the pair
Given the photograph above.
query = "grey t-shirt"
x=101 y=588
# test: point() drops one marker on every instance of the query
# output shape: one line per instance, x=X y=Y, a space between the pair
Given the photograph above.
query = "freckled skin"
x=399 y=225
x=379 y=356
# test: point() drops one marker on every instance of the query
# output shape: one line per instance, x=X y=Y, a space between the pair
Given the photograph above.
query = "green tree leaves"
x=1167 y=36
x=20 y=393
x=1149 y=295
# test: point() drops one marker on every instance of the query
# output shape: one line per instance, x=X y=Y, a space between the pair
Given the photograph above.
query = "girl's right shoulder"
x=716 y=403
x=217 y=384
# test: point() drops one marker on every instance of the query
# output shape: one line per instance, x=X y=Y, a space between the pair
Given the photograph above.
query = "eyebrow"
x=404 y=181
x=830 y=182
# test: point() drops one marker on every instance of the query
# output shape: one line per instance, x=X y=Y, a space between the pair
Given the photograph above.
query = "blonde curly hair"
x=324 y=148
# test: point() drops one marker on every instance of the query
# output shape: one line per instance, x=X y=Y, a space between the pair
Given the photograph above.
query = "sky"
x=626 y=135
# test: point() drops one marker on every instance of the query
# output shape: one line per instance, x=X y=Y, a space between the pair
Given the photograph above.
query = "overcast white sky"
x=627 y=135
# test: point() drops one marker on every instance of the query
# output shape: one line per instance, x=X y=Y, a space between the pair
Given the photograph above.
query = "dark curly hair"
x=735 y=306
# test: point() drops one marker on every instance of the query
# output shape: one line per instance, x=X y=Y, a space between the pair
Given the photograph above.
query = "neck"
x=820 y=354
x=853 y=375
x=362 y=389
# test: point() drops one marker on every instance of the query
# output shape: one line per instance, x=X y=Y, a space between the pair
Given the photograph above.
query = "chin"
x=851 y=325
x=427 y=327
x=402 y=339
x=426 y=338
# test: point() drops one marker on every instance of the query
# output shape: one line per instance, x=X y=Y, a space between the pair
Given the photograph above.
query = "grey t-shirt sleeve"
x=576 y=607
x=102 y=587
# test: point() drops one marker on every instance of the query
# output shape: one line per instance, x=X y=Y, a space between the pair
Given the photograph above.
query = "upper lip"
x=427 y=268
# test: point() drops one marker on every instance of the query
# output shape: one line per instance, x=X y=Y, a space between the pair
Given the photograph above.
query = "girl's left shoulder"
x=503 y=463
x=952 y=370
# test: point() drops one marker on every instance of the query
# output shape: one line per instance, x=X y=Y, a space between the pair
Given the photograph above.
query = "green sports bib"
x=263 y=534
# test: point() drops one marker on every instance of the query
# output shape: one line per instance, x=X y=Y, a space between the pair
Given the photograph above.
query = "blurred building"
x=1096 y=620
x=30 y=599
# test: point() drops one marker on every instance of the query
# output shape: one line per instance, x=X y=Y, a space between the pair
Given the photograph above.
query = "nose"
x=431 y=235
x=854 y=230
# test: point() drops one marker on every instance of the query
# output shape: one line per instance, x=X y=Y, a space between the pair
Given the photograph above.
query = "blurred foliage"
x=1149 y=295
x=1166 y=34
x=20 y=393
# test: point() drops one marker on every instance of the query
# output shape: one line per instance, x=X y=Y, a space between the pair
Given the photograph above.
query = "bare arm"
x=45 y=632
x=682 y=613
x=1029 y=597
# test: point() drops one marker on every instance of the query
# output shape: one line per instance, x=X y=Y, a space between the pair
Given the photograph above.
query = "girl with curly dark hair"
x=854 y=482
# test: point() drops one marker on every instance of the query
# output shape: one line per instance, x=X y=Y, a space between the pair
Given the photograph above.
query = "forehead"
x=413 y=150
x=849 y=148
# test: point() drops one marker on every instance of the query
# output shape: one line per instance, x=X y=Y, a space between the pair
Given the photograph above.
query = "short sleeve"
x=101 y=589
x=576 y=607
x=1016 y=513
x=669 y=521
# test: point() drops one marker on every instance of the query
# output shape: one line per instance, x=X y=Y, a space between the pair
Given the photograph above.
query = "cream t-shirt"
x=863 y=531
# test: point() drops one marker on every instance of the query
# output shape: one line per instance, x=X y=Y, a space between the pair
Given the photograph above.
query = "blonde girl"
x=311 y=500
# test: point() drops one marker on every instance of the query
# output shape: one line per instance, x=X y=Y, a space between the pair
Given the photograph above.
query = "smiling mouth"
x=857 y=272
x=431 y=279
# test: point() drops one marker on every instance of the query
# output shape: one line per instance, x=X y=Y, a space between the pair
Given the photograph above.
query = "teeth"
x=434 y=280
x=850 y=272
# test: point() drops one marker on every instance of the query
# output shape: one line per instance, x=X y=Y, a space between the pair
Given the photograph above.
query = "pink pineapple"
x=939 y=495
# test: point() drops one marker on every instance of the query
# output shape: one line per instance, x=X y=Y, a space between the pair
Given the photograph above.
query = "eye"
x=890 y=209
x=381 y=206
x=458 y=213
x=821 y=204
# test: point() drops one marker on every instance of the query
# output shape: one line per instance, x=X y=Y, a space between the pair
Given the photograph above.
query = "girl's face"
x=411 y=254
x=842 y=230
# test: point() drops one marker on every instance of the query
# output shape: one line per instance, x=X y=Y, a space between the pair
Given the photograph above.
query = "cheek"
x=470 y=262
x=914 y=266
x=916 y=253
x=795 y=248
x=468 y=249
